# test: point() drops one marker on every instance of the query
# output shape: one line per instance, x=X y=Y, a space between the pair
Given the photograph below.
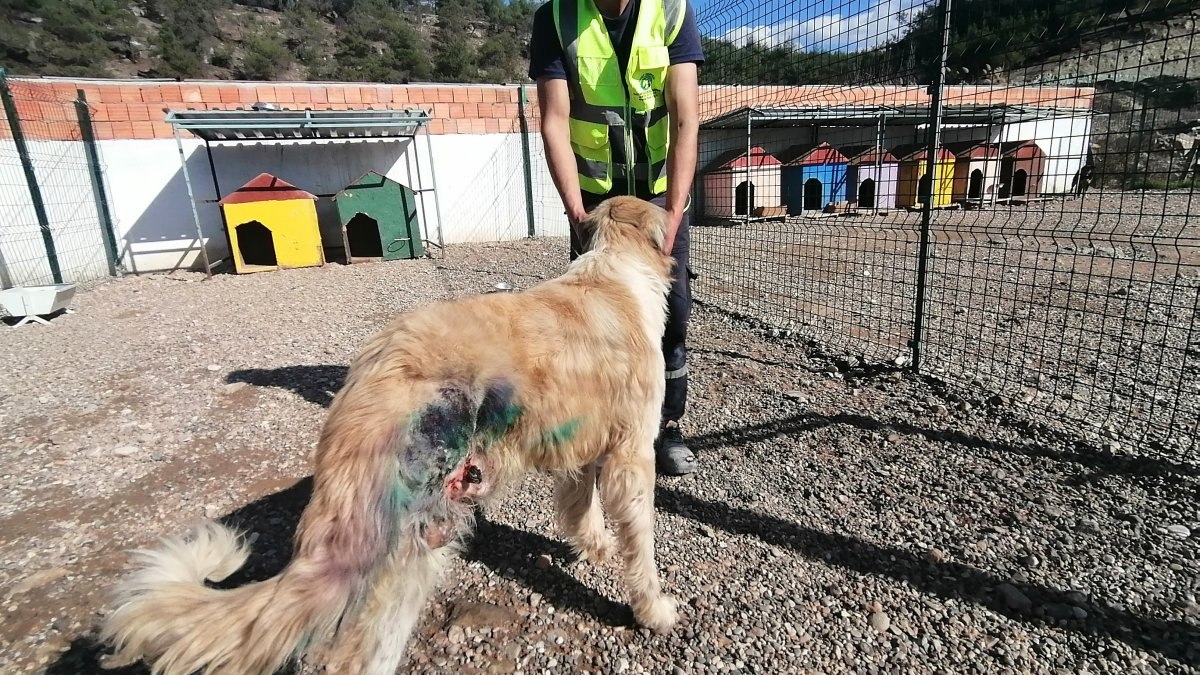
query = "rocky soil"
x=844 y=519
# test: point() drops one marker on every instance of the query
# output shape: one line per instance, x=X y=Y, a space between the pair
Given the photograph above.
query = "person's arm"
x=683 y=106
x=555 y=106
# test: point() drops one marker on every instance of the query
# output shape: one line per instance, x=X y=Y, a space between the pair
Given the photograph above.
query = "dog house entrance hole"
x=975 y=190
x=1020 y=181
x=362 y=236
x=866 y=194
x=256 y=244
x=744 y=198
x=923 y=187
x=812 y=195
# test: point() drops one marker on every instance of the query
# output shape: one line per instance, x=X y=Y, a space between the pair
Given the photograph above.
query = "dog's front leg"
x=627 y=486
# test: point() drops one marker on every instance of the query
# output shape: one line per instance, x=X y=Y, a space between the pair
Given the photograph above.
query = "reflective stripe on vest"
x=609 y=109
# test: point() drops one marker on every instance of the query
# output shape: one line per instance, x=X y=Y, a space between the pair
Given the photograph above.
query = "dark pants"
x=679 y=310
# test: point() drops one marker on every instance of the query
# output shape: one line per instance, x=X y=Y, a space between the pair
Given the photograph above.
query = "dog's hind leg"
x=627 y=487
x=376 y=642
x=580 y=517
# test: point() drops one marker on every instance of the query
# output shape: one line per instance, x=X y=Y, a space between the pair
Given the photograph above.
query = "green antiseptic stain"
x=499 y=423
x=562 y=433
x=401 y=496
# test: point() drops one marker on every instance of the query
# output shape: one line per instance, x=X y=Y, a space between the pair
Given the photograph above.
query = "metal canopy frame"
x=271 y=124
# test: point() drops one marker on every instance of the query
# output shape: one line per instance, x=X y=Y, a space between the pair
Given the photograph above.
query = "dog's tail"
x=165 y=612
x=376 y=488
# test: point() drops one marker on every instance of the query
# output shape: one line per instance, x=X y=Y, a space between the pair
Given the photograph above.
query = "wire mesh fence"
x=999 y=194
x=55 y=225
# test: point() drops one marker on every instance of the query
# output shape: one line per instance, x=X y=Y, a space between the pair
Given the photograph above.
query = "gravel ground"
x=1082 y=311
x=844 y=519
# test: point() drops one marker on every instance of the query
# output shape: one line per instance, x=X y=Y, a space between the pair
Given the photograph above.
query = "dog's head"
x=626 y=221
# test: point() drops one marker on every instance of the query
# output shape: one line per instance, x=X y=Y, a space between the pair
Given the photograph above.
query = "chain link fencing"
x=996 y=195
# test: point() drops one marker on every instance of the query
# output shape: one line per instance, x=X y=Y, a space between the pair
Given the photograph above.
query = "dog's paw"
x=598 y=548
x=659 y=614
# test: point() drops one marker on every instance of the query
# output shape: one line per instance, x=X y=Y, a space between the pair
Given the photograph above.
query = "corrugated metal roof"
x=252 y=125
x=759 y=117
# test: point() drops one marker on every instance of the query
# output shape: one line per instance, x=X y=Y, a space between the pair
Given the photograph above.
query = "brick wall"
x=136 y=109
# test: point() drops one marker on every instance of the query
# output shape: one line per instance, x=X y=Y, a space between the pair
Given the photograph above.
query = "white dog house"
x=737 y=182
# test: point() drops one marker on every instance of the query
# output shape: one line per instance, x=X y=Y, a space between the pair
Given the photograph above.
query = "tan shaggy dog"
x=442 y=409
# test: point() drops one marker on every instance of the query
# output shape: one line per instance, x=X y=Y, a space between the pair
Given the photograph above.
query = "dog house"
x=812 y=176
x=737 y=182
x=871 y=176
x=378 y=217
x=914 y=185
x=272 y=225
x=1021 y=169
x=976 y=171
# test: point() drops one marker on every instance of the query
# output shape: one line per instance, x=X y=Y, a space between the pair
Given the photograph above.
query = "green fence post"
x=87 y=133
x=527 y=162
x=935 y=141
x=35 y=192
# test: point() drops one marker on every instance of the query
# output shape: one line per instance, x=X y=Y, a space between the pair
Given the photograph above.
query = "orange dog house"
x=272 y=225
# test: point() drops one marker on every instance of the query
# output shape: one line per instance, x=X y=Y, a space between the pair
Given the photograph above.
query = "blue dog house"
x=813 y=176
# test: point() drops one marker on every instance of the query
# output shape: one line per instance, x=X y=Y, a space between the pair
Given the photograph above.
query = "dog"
x=443 y=410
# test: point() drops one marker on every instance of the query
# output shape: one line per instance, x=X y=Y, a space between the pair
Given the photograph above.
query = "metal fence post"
x=31 y=181
x=527 y=163
x=935 y=142
x=88 y=135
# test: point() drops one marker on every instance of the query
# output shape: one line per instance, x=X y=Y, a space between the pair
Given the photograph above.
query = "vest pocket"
x=593 y=154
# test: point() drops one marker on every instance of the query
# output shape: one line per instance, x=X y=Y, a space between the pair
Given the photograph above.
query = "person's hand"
x=576 y=214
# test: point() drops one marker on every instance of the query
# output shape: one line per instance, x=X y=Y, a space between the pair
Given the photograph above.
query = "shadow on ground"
x=1176 y=640
x=315 y=384
x=272 y=522
x=1100 y=462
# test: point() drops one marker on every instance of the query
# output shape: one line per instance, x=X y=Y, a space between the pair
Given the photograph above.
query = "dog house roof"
x=916 y=152
x=370 y=179
x=973 y=150
x=811 y=153
x=1021 y=149
x=266 y=188
x=737 y=159
x=868 y=154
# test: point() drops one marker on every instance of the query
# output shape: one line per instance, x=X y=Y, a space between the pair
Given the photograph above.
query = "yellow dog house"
x=914 y=182
x=272 y=225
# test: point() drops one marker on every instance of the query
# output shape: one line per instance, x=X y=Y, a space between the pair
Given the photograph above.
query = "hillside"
x=355 y=40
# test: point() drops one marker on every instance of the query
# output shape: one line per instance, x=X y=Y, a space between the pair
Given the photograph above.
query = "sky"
x=811 y=25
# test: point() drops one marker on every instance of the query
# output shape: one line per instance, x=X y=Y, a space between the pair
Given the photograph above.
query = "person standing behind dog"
x=618 y=94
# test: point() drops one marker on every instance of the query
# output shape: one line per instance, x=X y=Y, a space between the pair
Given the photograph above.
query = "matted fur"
x=565 y=377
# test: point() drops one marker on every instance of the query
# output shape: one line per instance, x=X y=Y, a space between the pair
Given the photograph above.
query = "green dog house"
x=378 y=217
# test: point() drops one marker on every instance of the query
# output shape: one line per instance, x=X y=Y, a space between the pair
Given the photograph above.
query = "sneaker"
x=674 y=456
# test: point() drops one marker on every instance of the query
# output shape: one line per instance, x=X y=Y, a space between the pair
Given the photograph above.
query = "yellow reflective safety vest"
x=619 y=126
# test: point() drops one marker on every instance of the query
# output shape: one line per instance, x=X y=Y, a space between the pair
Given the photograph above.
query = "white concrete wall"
x=1065 y=142
x=479 y=184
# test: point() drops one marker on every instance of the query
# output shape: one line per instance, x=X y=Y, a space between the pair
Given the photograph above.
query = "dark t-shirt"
x=546 y=55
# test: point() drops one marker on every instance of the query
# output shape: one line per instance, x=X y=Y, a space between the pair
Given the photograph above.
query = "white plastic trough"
x=33 y=302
